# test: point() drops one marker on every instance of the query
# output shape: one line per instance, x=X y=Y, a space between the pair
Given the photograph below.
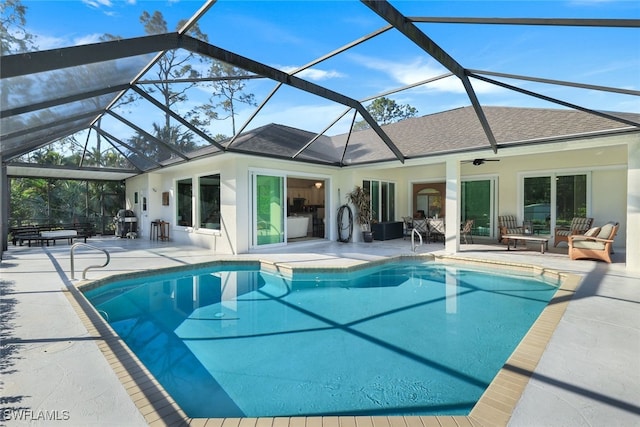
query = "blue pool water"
x=396 y=339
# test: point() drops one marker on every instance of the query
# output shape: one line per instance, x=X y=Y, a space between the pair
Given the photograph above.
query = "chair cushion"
x=514 y=231
x=592 y=232
x=588 y=244
x=563 y=233
x=605 y=231
x=580 y=223
x=509 y=221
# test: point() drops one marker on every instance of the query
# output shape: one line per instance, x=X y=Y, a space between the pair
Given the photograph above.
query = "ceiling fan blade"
x=478 y=162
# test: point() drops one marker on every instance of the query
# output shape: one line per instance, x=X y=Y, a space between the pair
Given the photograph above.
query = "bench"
x=46 y=233
x=51 y=236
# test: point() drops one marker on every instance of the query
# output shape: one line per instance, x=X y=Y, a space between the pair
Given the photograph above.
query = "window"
x=209 y=201
x=383 y=199
x=184 y=205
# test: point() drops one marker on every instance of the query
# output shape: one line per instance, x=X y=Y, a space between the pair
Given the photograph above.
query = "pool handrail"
x=413 y=241
x=84 y=272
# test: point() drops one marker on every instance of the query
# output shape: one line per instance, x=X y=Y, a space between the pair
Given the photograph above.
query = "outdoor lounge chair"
x=596 y=244
x=508 y=224
x=465 y=230
x=578 y=226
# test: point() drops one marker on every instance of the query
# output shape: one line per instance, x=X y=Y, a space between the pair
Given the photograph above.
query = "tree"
x=14 y=37
x=229 y=90
x=174 y=64
x=385 y=111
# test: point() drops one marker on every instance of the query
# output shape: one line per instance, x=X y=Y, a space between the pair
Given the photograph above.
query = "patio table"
x=544 y=241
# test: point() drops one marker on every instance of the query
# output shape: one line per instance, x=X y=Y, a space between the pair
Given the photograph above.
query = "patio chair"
x=421 y=226
x=465 y=230
x=436 y=229
x=596 y=243
x=508 y=224
x=407 y=226
x=578 y=225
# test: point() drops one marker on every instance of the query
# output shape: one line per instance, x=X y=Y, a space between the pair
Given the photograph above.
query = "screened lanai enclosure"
x=209 y=78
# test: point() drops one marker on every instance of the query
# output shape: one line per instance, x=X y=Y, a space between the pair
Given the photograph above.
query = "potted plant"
x=361 y=201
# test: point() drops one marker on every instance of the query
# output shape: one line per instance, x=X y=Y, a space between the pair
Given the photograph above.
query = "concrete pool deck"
x=62 y=366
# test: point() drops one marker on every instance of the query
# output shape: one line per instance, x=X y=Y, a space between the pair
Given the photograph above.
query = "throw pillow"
x=592 y=232
x=605 y=231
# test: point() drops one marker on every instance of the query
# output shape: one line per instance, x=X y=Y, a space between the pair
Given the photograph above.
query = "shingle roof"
x=284 y=141
x=460 y=130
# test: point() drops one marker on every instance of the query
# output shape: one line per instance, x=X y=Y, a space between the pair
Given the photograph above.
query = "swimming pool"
x=395 y=339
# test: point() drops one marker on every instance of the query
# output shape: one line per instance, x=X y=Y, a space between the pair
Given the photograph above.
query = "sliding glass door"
x=571 y=198
x=554 y=200
x=269 y=209
x=537 y=203
x=383 y=199
x=477 y=204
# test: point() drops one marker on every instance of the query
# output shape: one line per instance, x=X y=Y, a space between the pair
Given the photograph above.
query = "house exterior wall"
x=605 y=160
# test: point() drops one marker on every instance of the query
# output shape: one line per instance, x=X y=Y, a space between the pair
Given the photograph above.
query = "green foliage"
x=56 y=201
x=385 y=111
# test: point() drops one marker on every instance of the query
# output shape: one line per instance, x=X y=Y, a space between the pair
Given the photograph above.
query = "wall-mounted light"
x=318 y=185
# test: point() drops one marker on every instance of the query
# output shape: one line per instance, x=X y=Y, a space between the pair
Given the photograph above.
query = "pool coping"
x=494 y=408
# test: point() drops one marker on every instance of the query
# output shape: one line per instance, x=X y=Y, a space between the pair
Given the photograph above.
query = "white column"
x=633 y=205
x=452 y=217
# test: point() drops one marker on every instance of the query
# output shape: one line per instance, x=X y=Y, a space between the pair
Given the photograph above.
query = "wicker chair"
x=596 y=244
x=578 y=226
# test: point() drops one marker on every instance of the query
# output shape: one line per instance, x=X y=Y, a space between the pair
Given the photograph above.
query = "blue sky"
x=289 y=34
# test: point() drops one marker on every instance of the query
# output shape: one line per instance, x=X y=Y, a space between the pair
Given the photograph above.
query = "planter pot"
x=367 y=236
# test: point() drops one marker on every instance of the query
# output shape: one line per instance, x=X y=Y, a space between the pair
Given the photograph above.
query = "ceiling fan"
x=478 y=162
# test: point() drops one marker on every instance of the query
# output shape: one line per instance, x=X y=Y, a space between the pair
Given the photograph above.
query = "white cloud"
x=404 y=73
x=45 y=42
x=419 y=69
x=314 y=74
x=87 y=39
x=97 y=3
x=313 y=118
x=48 y=42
